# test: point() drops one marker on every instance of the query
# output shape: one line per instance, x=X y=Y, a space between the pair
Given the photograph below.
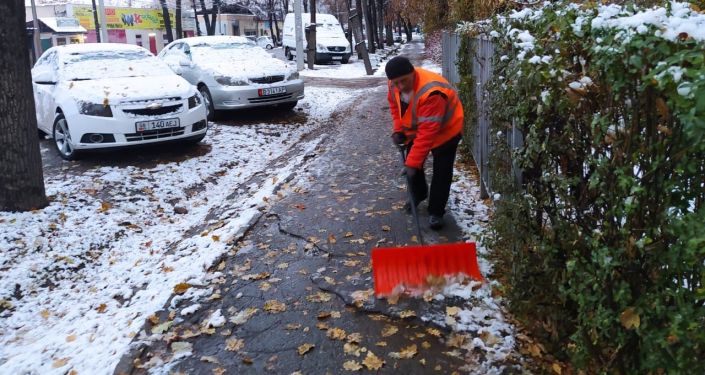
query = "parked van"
x=331 y=43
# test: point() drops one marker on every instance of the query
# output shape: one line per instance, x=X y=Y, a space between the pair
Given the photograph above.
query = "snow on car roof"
x=97 y=47
x=216 y=39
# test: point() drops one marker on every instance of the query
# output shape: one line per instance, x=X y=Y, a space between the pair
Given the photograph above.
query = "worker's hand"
x=398 y=138
x=411 y=172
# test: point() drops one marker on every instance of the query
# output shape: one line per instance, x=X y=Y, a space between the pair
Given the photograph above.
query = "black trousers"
x=443 y=159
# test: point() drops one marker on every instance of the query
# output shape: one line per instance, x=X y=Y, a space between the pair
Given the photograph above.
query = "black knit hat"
x=397 y=67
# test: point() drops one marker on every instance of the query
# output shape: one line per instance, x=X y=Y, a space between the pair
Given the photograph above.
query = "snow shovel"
x=412 y=265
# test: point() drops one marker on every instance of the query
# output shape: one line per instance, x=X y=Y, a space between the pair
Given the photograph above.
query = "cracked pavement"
x=301 y=275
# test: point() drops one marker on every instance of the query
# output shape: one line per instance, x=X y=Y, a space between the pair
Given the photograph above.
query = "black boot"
x=435 y=222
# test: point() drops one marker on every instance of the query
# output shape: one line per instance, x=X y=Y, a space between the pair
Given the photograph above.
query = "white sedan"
x=231 y=72
x=105 y=95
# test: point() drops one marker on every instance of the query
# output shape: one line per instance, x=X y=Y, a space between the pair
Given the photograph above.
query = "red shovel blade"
x=411 y=265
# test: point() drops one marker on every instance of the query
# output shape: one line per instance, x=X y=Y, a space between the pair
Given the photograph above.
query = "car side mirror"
x=44 y=77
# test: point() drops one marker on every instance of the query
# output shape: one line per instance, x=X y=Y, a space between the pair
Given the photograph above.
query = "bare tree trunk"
x=388 y=24
x=195 y=17
x=285 y=6
x=407 y=29
x=380 y=22
x=97 y=22
x=349 y=31
x=207 y=21
x=21 y=175
x=311 y=37
x=305 y=6
x=177 y=16
x=271 y=27
x=276 y=28
x=372 y=4
x=368 y=27
x=214 y=16
x=167 y=21
x=356 y=25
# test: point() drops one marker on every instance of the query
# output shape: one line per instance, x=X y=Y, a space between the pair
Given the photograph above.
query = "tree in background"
x=167 y=21
x=21 y=175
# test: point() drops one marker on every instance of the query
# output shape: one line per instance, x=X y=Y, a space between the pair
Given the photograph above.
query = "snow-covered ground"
x=79 y=277
x=354 y=69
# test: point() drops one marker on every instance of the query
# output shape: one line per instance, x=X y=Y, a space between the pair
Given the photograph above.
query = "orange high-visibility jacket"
x=433 y=117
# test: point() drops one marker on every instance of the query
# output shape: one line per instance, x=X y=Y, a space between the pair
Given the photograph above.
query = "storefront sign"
x=123 y=18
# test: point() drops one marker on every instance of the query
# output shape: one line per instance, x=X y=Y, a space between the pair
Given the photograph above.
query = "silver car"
x=232 y=72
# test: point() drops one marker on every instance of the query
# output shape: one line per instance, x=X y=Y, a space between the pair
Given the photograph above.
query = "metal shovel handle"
x=414 y=211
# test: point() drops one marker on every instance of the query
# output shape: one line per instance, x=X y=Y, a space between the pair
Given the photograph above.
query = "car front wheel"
x=207 y=101
x=62 y=139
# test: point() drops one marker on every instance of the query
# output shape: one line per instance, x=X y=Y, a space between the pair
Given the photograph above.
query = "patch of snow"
x=109 y=231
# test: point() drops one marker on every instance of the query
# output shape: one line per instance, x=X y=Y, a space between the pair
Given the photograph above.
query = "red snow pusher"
x=412 y=265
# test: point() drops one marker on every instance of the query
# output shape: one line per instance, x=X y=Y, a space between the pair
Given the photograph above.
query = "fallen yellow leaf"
x=352 y=366
x=60 y=362
x=336 y=334
x=389 y=330
x=305 y=348
x=405 y=353
x=234 y=344
x=274 y=306
x=181 y=288
x=372 y=362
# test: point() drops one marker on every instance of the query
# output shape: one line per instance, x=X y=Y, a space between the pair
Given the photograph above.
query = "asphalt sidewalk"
x=295 y=294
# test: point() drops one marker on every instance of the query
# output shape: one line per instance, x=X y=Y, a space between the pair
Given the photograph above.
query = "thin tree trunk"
x=271 y=27
x=21 y=175
x=275 y=38
x=380 y=22
x=214 y=17
x=311 y=40
x=407 y=28
x=97 y=22
x=177 y=16
x=372 y=4
x=368 y=27
x=206 y=20
x=305 y=2
x=167 y=21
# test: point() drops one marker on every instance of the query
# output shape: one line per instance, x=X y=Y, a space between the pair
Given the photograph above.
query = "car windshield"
x=232 y=51
x=111 y=64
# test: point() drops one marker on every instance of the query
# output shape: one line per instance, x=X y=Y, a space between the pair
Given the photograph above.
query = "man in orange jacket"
x=427 y=117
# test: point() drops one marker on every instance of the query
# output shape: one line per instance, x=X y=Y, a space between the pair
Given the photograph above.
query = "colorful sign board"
x=123 y=18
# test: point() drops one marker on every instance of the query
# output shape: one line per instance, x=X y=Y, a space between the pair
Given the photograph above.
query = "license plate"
x=156 y=124
x=272 y=91
x=337 y=57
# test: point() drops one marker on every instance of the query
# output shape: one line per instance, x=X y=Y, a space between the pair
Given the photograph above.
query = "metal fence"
x=482 y=50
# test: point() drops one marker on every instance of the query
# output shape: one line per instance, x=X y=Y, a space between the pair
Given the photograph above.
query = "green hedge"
x=602 y=248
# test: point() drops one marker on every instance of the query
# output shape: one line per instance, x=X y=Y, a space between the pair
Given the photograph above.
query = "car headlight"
x=321 y=48
x=230 y=81
x=194 y=101
x=294 y=75
x=94 y=109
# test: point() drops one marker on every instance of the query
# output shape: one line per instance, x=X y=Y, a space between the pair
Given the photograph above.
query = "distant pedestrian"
x=427 y=117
